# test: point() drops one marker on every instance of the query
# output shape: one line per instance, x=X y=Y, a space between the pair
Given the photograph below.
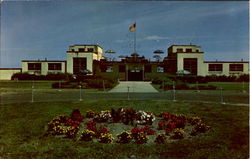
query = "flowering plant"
x=141 y=138
x=60 y=120
x=73 y=123
x=200 y=128
x=145 y=117
x=178 y=133
x=160 y=139
x=71 y=131
x=76 y=115
x=106 y=138
x=90 y=114
x=124 y=137
x=91 y=125
x=128 y=116
x=59 y=130
x=194 y=120
x=166 y=116
x=104 y=116
x=145 y=130
x=87 y=135
x=101 y=130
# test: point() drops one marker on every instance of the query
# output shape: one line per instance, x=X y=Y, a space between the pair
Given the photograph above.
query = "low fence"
x=57 y=95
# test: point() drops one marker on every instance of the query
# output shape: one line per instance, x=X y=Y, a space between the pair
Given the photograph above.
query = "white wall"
x=225 y=69
x=200 y=64
x=44 y=67
x=5 y=74
x=88 y=56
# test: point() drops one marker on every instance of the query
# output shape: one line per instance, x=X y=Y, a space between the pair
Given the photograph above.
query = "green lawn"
x=229 y=86
x=26 y=84
x=22 y=127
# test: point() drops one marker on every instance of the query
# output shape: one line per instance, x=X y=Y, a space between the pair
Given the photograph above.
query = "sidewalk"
x=133 y=86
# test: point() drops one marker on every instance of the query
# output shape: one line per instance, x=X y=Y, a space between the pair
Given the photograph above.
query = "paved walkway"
x=145 y=87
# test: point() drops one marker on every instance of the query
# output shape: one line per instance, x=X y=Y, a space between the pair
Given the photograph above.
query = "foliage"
x=90 y=114
x=145 y=118
x=160 y=139
x=104 y=116
x=87 y=135
x=106 y=138
x=50 y=76
x=178 y=133
x=124 y=137
x=200 y=128
x=140 y=138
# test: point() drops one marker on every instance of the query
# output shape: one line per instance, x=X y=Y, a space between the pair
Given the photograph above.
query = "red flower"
x=148 y=130
x=91 y=125
x=72 y=123
x=76 y=115
x=161 y=125
x=171 y=125
x=136 y=130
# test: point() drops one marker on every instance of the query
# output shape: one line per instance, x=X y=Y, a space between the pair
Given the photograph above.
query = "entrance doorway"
x=135 y=75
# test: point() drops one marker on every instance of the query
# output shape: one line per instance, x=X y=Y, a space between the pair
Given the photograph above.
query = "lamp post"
x=221 y=96
x=128 y=92
x=32 y=92
x=80 y=97
x=174 y=98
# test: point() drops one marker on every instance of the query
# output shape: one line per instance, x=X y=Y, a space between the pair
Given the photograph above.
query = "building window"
x=188 y=50
x=34 y=66
x=55 y=66
x=103 y=68
x=190 y=64
x=179 y=50
x=147 y=68
x=122 y=68
x=81 y=49
x=109 y=69
x=160 y=69
x=215 y=67
x=90 y=49
x=236 y=67
x=79 y=64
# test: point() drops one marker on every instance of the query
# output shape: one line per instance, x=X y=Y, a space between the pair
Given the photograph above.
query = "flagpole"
x=135 y=41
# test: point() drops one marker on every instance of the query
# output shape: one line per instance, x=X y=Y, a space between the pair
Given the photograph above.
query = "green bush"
x=50 y=76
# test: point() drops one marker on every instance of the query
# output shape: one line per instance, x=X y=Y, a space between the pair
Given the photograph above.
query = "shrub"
x=124 y=137
x=200 y=128
x=194 y=120
x=50 y=76
x=90 y=114
x=87 y=135
x=71 y=131
x=160 y=139
x=178 y=133
x=141 y=138
x=106 y=138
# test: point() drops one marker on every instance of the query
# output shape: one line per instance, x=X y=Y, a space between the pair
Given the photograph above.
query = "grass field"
x=228 y=86
x=22 y=127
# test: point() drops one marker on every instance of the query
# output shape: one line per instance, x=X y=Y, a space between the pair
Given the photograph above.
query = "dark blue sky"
x=33 y=30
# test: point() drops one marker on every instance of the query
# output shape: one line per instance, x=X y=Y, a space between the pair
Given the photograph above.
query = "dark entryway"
x=79 y=63
x=190 y=64
x=135 y=75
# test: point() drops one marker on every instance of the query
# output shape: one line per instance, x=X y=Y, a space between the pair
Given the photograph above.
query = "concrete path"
x=145 y=87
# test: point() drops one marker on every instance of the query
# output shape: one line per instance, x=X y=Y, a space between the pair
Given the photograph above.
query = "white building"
x=179 y=57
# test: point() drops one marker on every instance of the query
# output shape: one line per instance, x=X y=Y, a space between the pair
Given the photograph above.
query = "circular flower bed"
x=126 y=126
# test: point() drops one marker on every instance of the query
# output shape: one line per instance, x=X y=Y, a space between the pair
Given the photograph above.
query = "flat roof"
x=226 y=62
x=85 y=45
x=184 y=45
x=10 y=68
x=41 y=61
